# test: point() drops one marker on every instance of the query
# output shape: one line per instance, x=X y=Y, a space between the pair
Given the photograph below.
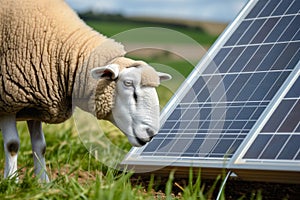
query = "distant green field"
x=111 y=28
x=114 y=25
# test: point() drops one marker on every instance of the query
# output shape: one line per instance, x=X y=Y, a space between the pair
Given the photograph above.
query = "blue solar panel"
x=220 y=105
x=279 y=139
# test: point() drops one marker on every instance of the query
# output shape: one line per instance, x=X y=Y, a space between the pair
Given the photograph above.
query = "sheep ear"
x=164 y=76
x=109 y=71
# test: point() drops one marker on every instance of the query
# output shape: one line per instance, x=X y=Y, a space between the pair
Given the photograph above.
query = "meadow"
x=76 y=174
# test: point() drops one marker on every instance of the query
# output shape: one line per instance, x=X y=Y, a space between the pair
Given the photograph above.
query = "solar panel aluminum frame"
x=238 y=162
x=135 y=160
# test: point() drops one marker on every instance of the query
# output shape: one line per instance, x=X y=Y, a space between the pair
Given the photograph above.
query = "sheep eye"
x=128 y=83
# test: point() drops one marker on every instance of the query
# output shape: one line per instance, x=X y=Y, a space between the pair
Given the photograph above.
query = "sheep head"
x=126 y=96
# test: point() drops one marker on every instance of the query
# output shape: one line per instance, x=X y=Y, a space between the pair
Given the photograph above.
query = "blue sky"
x=211 y=10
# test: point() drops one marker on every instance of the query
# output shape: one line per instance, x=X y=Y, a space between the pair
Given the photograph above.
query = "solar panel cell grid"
x=222 y=106
x=294 y=91
x=292 y=30
x=258 y=9
x=291 y=121
x=279 y=115
x=282 y=131
x=273 y=147
x=278 y=29
x=269 y=8
x=294 y=8
x=238 y=33
x=282 y=7
x=230 y=118
x=292 y=150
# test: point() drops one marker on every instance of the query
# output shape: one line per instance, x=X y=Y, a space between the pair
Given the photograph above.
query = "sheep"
x=52 y=62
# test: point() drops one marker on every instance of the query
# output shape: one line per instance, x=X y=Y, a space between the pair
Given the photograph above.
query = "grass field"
x=111 y=28
x=75 y=174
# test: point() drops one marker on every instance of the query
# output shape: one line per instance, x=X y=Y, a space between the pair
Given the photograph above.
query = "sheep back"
x=43 y=47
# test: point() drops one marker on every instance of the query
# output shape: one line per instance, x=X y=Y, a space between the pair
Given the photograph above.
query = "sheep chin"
x=135 y=141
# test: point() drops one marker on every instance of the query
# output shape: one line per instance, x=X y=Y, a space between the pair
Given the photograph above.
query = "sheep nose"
x=150 y=133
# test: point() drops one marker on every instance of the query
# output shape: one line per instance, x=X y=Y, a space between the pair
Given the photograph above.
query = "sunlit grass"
x=75 y=174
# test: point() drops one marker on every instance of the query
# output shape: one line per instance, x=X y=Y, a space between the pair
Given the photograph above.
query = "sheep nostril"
x=150 y=138
x=150 y=133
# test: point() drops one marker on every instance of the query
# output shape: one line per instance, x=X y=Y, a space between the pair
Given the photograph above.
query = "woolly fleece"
x=44 y=48
x=46 y=54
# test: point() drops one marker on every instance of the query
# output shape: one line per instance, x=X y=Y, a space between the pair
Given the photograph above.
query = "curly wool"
x=104 y=98
x=46 y=54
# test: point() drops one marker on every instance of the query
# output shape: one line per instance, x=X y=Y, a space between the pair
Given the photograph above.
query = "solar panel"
x=276 y=143
x=219 y=109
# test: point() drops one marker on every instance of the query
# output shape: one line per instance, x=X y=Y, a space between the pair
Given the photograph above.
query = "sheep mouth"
x=143 y=141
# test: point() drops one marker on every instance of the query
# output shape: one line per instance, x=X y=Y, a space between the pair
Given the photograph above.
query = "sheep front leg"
x=11 y=144
x=38 y=149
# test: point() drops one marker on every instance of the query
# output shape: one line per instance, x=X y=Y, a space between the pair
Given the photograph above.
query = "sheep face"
x=135 y=104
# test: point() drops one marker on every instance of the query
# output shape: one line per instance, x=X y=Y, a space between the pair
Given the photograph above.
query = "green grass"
x=75 y=174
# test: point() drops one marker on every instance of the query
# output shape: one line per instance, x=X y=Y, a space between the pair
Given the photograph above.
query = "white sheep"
x=51 y=62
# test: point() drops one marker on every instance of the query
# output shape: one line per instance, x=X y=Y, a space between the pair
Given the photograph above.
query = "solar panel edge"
x=237 y=160
x=204 y=62
x=213 y=50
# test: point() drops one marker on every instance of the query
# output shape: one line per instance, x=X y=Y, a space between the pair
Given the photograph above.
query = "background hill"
x=181 y=55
